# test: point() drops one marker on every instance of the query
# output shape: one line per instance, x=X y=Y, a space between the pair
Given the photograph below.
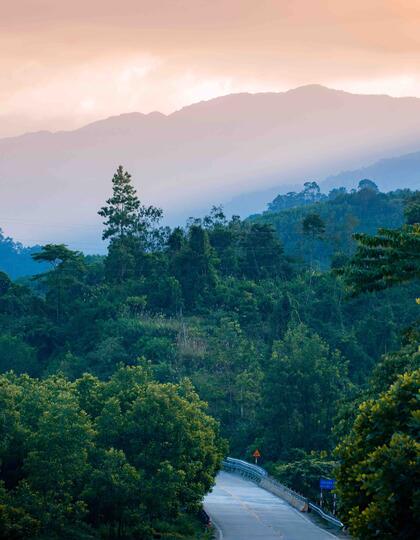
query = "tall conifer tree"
x=121 y=212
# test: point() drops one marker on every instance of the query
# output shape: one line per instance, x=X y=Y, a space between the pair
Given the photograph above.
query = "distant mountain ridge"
x=52 y=184
x=387 y=173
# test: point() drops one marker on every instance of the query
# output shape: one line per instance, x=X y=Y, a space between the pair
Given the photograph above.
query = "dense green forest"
x=109 y=355
x=343 y=213
x=121 y=457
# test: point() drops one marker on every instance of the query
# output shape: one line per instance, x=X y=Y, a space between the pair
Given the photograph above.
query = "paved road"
x=243 y=511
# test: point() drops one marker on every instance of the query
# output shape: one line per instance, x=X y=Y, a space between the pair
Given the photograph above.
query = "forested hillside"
x=342 y=214
x=16 y=260
x=277 y=348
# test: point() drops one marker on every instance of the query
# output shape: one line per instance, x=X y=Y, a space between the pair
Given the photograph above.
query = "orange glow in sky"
x=64 y=64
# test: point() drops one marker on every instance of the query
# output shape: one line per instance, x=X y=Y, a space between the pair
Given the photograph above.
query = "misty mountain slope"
x=16 y=260
x=51 y=185
x=402 y=171
x=388 y=174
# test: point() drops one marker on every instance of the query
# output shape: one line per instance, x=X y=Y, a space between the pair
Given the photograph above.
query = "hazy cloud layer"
x=51 y=185
x=66 y=63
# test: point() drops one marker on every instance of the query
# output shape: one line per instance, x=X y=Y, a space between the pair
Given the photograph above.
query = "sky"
x=64 y=64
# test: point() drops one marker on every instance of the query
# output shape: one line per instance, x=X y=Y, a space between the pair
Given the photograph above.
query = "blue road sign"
x=327 y=483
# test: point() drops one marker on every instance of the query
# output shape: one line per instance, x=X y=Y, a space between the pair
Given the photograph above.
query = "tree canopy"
x=115 y=458
x=104 y=360
x=389 y=258
x=379 y=471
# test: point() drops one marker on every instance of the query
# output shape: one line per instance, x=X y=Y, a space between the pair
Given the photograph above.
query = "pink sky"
x=64 y=64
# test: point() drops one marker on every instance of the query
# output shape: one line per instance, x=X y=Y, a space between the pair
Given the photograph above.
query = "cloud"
x=65 y=64
x=395 y=85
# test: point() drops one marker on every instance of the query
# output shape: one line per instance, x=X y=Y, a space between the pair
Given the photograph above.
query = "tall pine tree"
x=130 y=226
x=121 y=212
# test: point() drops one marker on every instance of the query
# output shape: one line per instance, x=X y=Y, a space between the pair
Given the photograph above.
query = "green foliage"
x=303 y=472
x=378 y=476
x=412 y=208
x=391 y=257
x=115 y=458
x=121 y=210
x=313 y=226
x=304 y=382
x=392 y=365
x=64 y=281
x=362 y=211
x=278 y=351
x=263 y=254
x=131 y=227
x=16 y=355
x=310 y=194
x=5 y=283
x=230 y=377
x=194 y=266
x=368 y=184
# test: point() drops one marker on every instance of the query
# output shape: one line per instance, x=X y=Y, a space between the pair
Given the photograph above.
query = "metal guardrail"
x=328 y=517
x=261 y=476
x=246 y=469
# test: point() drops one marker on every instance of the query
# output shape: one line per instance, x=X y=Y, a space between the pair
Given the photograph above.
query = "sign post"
x=256 y=455
x=328 y=484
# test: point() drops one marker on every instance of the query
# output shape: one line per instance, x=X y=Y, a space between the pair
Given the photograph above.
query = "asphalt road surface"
x=241 y=510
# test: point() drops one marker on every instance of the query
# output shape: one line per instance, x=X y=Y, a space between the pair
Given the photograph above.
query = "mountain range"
x=233 y=150
x=389 y=174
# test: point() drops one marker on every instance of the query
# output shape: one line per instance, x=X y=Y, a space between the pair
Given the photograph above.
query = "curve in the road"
x=243 y=511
